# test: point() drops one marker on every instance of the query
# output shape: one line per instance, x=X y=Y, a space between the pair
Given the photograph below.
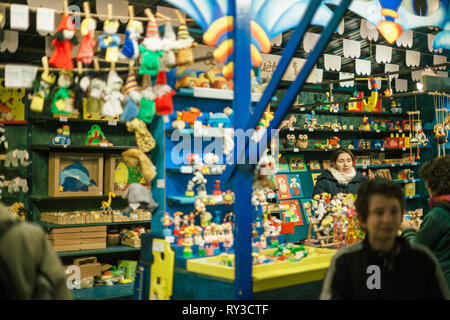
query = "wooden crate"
x=58 y=161
x=118 y=176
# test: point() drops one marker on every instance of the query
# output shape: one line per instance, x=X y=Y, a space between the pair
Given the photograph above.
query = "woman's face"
x=344 y=163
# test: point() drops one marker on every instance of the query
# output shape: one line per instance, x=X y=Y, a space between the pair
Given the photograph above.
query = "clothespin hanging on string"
x=44 y=60
x=66 y=7
x=148 y=13
x=160 y=15
x=180 y=17
x=110 y=11
x=96 y=65
x=113 y=66
x=131 y=66
x=131 y=14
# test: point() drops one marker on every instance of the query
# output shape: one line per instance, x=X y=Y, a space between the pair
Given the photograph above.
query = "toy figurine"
x=310 y=120
x=133 y=96
x=289 y=123
x=109 y=41
x=163 y=95
x=177 y=222
x=440 y=134
x=396 y=107
x=63 y=136
x=139 y=197
x=178 y=123
x=150 y=48
x=289 y=141
x=168 y=60
x=366 y=125
x=42 y=91
x=185 y=46
x=88 y=42
x=302 y=141
x=198 y=178
x=188 y=242
x=333 y=143
x=64 y=98
x=112 y=96
x=63 y=41
x=147 y=109
x=135 y=157
x=167 y=221
x=95 y=88
x=130 y=48
x=95 y=137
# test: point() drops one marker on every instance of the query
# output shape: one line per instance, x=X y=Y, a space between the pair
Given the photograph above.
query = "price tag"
x=404 y=149
x=296 y=150
x=170 y=239
x=311 y=129
x=218 y=199
x=158 y=246
x=291 y=129
x=134 y=217
x=270 y=195
x=112 y=122
x=382 y=149
x=63 y=119
x=378 y=130
x=186 y=169
x=302 y=109
x=104 y=145
x=336 y=130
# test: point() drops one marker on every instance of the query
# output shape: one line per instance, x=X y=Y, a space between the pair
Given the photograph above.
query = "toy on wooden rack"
x=396 y=107
x=94 y=88
x=166 y=221
x=190 y=116
x=418 y=138
x=179 y=123
x=130 y=48
x=42 y=88
x=144 y=139
x=333 y=143
x=63 y=136
x=139 y=196
x=109 y=41
x=150 y=47
x=63 y=41
x=366 y=124
x=371 y=103
x=310 y=120
x=198 y=179
x=288 y=123
x=88 y=42
x=290 y=141
x=216 y=80
x=63 y=99
x=95 y=137
x=356 y=105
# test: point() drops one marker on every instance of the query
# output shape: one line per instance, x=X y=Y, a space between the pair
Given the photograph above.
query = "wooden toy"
x=63 y=136
x=302 y=141
x=289 y=141
x=289 y=123
x=441 y=128
x=95 y=137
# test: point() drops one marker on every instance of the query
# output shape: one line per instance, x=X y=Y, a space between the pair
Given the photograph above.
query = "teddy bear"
x=112 y=96
x=144 y=138
x=302 y=141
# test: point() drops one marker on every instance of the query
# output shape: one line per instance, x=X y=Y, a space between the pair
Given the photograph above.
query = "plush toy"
x=131 y=110
x=151 y=48
x=88 y=42
x=109 y=41
x=94 y=88
x=130 y=48
x=16 y=184
x=63 y=41
x=185 y=44
x=42 y=91
x=112 y=95
x=63 y=99
x=136 y=157
x=139 y=196
x=147 y=109
x=163 y=95
x=168 y=60
x=144 y=138
x=3 y=141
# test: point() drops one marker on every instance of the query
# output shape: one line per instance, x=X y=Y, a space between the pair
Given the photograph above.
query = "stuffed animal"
x=63 y=100
x=185 y=44
x=147 y=109
x=168 y=60
x=109 y=41
x=94 y=88
x=289 y=123
x=42 y=91
x=16 y=184
x=136 y=157
x=112 y=95
x=130 y=48
x=88 y=42
x=302 y=141
x=144 y=138
x=63 y=41
x=139 y=196
x=131 y=110
x=163 y=95
x=3 y=141
x=151 y=48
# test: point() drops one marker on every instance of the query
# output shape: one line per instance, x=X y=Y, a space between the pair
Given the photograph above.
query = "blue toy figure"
x=62 y=137
x=131 y=110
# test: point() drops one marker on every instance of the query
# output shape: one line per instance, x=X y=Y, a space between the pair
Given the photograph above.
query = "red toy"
x=63 y=41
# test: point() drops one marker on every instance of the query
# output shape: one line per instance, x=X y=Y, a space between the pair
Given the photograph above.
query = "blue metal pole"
x=242 y=182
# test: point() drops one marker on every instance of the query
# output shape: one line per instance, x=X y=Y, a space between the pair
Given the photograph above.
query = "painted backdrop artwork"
x=75 y=177
x=293 y=212
x=282 y=185
x=12 y=107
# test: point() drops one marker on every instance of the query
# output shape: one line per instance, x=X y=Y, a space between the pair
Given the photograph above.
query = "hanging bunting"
x=442 y=74
x=383 y=54
x=440 y=60
x=10 y=41
x=406 y=39
x=416 y=75
x=363 y=67
x=309 y=41
x=368 y=31
x=332 y=62
x=50 y=4
x=351 y=48
x=430 y=44
x=19 y=76
x=412 y=58
x=401 y=85
x=392 y=68
x=19 y=17
x=316 y=76
x=45 y=21
x=346 y=75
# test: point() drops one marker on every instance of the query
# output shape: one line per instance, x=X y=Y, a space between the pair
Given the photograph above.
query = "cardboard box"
x=89 y=267
x=59 y=161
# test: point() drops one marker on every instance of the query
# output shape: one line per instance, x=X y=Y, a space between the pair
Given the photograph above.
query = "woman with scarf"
x=434 y=231
x=341 y=176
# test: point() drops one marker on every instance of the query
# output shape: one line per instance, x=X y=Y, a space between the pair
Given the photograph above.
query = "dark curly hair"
x=381 y=186
x=436 y=175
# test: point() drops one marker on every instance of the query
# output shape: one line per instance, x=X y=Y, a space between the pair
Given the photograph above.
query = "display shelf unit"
x=297 y=150
x=52 y=226
x=391 y=165
x=358 y=132
x=42 y=120
x=406 y=181
x=52 y=148
x=117 y=249
x=413 y=197
x=218 y=94
x=303 y=110
x=116 y=291
x=18 y=122
x=179 y=170
x=180 y=200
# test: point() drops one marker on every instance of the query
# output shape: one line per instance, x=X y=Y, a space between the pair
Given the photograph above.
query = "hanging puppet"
x=88 y=42
x=63 y=100
x=133 y=96
x=371 y=103
x=185 y=45
x=147 y=108
x=63 y=41
x=441 y=128
x=94 y=88
x=42 y=90
x=150 y=48
x=112 y=95
x=130 y=48
x=163 y=95
x=169 y=43
x=109 y=40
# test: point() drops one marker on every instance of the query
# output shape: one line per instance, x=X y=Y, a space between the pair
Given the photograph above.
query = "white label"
x=134 y=217
x=170 y=239
x=63 y=119
x=336 y=130
x=186 y=169
x=296 y=150
x=158 y=246
x=291 y=129
x=378 y=130
x=160 y=183
x=217 y=199
x=112 y=122
x=104 y=145
x=302 y=109
x=270 y=196
x=382 y=149
x=311 y=129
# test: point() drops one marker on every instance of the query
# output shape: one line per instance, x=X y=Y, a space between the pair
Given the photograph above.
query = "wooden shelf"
x=303 y=130
x=288 y=151
x=187 y=201
x=391 y=165
x=178 y=170
x=52 y=226
x=216 y=94
x=71 y=120
x=300 y=109
x=98 y=251
x=53 y=148
x=406 y=181
x=104 y=292
x=19 y=122
x=412 y=197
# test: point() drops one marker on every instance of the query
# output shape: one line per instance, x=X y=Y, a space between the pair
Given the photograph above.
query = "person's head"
x=380 y=204
x=436 y=176
x=342 y=160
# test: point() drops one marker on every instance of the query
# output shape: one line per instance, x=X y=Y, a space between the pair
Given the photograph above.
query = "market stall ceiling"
x=32 y=45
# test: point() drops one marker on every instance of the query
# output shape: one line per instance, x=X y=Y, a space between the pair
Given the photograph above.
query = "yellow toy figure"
x=373 y=99
x=188 y=242
x=110 y=41
x=106 y=205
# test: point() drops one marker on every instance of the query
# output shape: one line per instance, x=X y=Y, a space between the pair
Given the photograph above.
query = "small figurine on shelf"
x=289 y=141
x=198 y=178
x=188 y=242
x=167 y=221
x=289 y=123
x=63 y=41
x=310 y=120
x=177 y=222
x=396 y=107
x=64 y=98
x=112 y=96
x=63 y=136
x=440 y=134
x=185 y=44
x=366 y=124
x=178 y=123
x=95 y=137
x=106 y=205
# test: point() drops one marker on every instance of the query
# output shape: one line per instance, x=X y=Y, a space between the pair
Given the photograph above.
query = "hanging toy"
x=63 y=99
x=185 y=44
x=168 y=60
x=130 y=48
x=63 y=41
x=133 y=96
x=441 y=129
x=88 y=42
x=163 y=95
x=147 y=108
x=112 y=95
x=109 y=41
x=150 y=48
x=419 y=139
x=94 y=88
x=373 y=99
x=42 y=88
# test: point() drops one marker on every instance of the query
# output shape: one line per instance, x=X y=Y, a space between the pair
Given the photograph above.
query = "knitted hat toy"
x=184 y=39
x=152 y=41
x=170 y=38
x=66 y=24
x=131 y=83
x=163 y=95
